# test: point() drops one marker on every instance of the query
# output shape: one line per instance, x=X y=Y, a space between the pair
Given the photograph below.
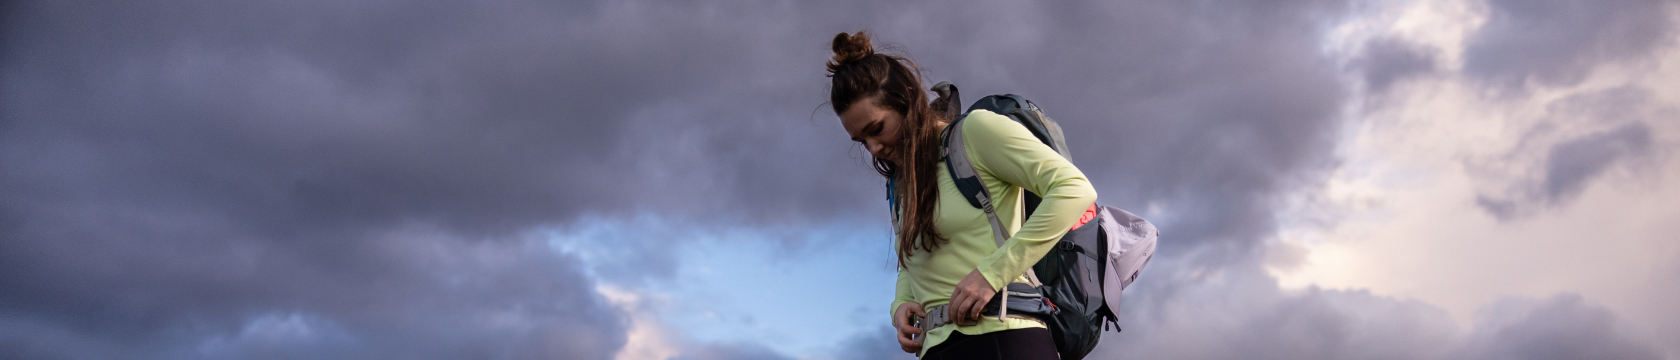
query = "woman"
x=948 y=260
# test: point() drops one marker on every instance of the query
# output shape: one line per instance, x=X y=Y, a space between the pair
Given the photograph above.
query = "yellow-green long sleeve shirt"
x=1008 y=159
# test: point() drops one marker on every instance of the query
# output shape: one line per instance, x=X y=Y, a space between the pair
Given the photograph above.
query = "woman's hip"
x=1015 y=344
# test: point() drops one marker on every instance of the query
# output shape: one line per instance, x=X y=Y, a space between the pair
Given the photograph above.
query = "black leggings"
x=1017 y=344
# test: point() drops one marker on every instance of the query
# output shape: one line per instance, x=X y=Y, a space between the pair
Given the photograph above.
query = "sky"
x=656 y=179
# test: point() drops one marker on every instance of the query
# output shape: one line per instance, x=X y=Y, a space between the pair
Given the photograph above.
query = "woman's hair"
x=895 y=83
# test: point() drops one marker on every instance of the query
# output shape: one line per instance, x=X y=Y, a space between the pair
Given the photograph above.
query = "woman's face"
x=875 y=126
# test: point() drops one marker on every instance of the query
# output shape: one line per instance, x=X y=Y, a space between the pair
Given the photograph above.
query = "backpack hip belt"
x=938 y=316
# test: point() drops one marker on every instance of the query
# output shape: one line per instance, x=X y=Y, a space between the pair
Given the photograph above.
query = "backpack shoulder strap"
x=967 y=179
x=961 y=168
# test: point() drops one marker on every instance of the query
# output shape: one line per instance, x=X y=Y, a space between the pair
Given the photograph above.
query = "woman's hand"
x=906 y=331
x=970 y=297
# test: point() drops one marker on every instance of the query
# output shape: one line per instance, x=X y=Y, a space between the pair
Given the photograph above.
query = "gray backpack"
x=1082 y=277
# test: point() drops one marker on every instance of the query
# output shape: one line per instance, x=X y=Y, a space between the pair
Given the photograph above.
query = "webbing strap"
x=939 y=316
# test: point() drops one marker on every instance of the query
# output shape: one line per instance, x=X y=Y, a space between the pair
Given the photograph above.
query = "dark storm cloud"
x=208 y=294
x=1237 y=110
x=357 y=179
x=1558 y=42
x=1389 y=60
x=183 y=178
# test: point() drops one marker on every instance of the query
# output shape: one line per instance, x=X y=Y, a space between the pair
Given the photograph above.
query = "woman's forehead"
x=855 y=119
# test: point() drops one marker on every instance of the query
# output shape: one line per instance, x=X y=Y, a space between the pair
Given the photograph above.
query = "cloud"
x=1569 y=165
x=243 y=168
x=150 y=149
x=179 y=171
x=1459 y=193
x=1558 y=42
x=367 y=179
x=1389 y=60
x=1561 y=327
x=732 y=351
x=879 y=344
x=293 y=335
x=648 y=339
x=1177 y=316
x=1581 y=138
x=405 y=293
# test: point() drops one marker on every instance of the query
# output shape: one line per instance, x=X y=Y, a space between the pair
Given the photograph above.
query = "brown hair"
x=895 y=83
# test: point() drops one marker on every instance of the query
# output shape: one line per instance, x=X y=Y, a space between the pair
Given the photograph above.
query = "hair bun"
x=850 y=48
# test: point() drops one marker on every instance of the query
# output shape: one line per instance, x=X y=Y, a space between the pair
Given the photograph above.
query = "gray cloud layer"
x=1241 y=314
x=1389 y=60
x=355 y=179
x=1558 y=42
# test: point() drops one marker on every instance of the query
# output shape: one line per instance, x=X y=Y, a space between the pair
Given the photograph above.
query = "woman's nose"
x=874 y=148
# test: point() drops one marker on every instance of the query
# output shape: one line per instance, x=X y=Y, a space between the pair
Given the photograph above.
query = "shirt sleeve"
x=1009 y=152
x=902 y=295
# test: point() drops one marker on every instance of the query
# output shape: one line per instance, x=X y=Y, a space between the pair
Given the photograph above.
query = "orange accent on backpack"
x=1090 y=214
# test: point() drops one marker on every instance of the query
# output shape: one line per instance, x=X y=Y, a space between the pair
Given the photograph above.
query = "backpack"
x=1083 y=275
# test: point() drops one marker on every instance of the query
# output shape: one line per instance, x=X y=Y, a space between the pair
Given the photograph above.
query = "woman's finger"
x=906 y=338
x=959 y=307
x=907 y=328
x=967 y=308
x=974 y=306
x=909 y=346
x=953 y=308
x=970 y=306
